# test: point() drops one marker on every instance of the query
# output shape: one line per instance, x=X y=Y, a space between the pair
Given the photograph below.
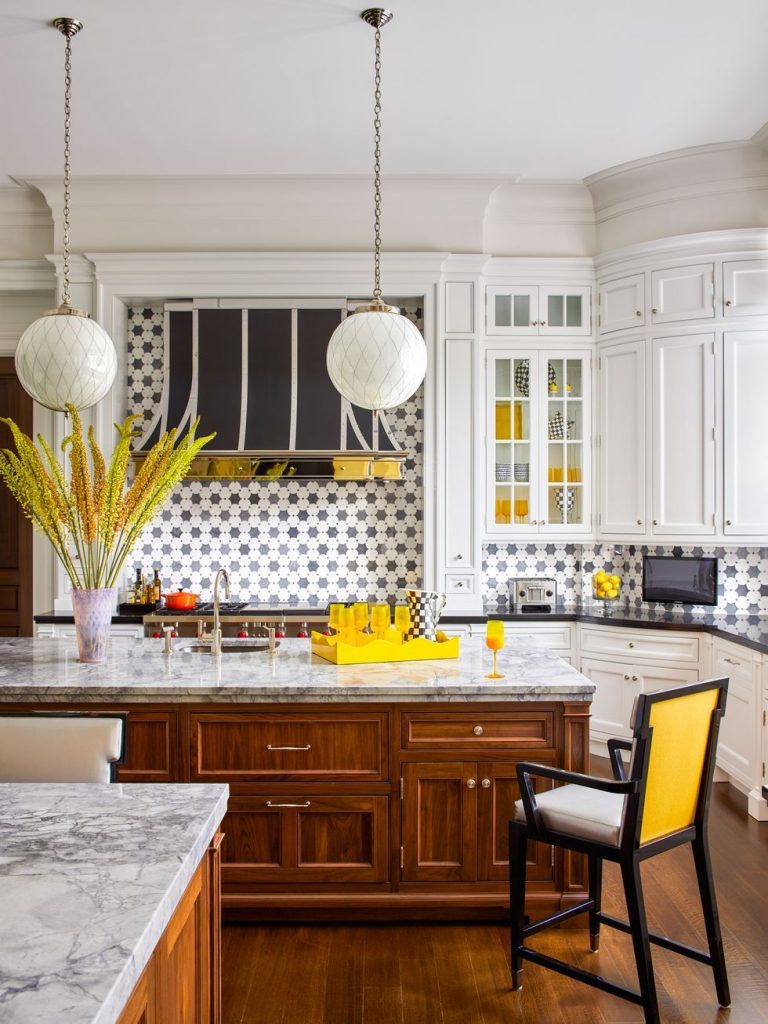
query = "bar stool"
x=60 y=747
x=662 y=801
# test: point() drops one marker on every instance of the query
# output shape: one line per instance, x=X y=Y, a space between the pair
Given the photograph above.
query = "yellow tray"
x=379 y=651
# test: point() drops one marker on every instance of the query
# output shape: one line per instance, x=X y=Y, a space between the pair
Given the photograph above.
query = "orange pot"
x=180 y=600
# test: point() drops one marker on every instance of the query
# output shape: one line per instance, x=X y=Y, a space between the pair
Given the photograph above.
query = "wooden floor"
x=458 y=974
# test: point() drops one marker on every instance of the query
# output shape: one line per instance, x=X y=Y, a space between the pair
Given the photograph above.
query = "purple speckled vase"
x=93 y=618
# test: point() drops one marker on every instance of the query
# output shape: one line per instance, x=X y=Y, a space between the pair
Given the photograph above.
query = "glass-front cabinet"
x=538 y=442
x=534 y=310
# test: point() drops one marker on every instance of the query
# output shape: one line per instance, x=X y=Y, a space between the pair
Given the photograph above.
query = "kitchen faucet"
x=222 y=574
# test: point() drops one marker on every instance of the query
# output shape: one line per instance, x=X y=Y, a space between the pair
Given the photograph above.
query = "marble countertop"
x=45 y=670
x=748 y=630
x=90 y=875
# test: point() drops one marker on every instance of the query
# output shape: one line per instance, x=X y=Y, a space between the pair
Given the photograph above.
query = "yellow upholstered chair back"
x=680 y=733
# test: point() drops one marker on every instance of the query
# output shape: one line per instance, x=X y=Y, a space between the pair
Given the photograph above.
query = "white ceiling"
x=545 y=89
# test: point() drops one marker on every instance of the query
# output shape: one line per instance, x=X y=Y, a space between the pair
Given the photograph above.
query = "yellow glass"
x=380 y=619
x=334 y=616
x=347 y=624
x=506 y=509
x=521 y=510
x=503 y=421
x=402 y=619
x=494 y=641
x=360 y=609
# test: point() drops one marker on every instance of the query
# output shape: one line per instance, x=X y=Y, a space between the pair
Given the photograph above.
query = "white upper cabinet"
x=538 y=442
x=532 y=310
x=745 y=357
x=683 y=293
x=621 y=451
x=621 y=304
x=745 y=288
x=460 y=470
x=683 y=416
x=459 y=307
x=512 y=310
x=565 y=311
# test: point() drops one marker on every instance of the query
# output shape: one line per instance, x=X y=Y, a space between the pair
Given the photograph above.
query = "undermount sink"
x=230 y=648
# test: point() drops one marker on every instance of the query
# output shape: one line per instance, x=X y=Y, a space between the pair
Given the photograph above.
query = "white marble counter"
x=90 y=875
x=46 y=670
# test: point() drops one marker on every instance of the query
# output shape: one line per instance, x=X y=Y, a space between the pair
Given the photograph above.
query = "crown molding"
x=711 y=244
x=27 y=275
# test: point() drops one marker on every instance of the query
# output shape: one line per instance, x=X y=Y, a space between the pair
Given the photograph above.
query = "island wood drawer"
x=282 y=746
x=650 y=645
x=151 y=747
x=480 y=731
x=295 y=838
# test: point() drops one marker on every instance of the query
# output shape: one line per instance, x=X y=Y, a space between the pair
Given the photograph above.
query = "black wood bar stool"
x=660 y=802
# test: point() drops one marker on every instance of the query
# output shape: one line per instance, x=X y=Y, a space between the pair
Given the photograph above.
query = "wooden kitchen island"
x=360 y=792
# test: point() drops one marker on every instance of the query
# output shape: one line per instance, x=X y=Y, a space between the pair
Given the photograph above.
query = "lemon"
x=440 y=636
x=616 y=581
x=600 y=576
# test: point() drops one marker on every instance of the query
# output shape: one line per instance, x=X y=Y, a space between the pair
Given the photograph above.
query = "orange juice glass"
x=494 y=641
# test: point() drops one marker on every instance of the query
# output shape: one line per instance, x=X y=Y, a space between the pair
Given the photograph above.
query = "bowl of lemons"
x=606 y=586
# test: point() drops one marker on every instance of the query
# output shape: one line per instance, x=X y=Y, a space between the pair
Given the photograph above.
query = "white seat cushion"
x=579 y=811
x=58 y=749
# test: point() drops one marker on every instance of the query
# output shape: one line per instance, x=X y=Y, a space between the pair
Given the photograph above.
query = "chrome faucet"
x=222 y=574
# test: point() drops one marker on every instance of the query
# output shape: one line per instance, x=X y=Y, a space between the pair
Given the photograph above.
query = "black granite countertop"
x=748 y=630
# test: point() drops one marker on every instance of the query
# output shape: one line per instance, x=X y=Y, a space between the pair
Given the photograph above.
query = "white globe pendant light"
x=65 y=357
x=376 y=357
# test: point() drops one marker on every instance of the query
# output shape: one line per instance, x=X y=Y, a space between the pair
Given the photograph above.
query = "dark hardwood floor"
x=458 y=974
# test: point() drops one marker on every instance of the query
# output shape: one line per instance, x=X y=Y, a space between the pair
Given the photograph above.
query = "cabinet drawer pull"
x=486 y=783
x=306 y=803
x=471 y=783
x=732 y=661
x=307 y=747
x=478 y=730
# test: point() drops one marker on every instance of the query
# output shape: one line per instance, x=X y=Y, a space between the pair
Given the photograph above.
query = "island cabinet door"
x=183 y=965
x=296 y=838
x=497 y=793
x=439 y=830
x=140 y=1008
x=151 y=748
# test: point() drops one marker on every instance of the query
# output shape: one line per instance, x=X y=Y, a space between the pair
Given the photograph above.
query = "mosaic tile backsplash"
x=742 y=584
x=303 y=541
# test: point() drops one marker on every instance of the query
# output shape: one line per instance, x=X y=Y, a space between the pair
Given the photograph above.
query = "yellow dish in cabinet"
x=331 y=648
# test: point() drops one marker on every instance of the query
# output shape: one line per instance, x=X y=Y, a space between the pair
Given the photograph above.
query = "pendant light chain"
x=67 y=154
x=377 y=170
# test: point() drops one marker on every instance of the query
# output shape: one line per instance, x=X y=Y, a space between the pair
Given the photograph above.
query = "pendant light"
x=376 y=357
x=65 y=357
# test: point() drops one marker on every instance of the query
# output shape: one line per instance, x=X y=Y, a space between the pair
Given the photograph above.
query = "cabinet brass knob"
x=728 y=302
x=471 y=783
x=654 y=311
x=478 y=730
x=638 y=312
x=542 y=323
x=639 y=522
x=626 y=675
x=458 y=557
x=631 y=643
x=634 y=679
x=727 y=522
x=486 y=783
x=655 y=522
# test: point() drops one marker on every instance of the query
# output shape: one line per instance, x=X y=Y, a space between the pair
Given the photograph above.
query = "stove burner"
x=206 y=608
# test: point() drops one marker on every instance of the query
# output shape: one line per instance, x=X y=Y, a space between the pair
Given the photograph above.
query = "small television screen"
x=687 y=580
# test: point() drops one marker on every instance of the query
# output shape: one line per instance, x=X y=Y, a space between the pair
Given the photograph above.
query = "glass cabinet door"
x=512 y=389
x=565 y=439
x=565 y=311
x=512 y=310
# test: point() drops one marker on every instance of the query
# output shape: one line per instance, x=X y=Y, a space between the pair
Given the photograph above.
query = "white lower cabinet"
x=739 y=748
x=618 y=684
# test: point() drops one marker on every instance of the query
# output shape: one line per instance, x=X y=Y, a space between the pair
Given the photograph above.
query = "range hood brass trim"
x=284 y=465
